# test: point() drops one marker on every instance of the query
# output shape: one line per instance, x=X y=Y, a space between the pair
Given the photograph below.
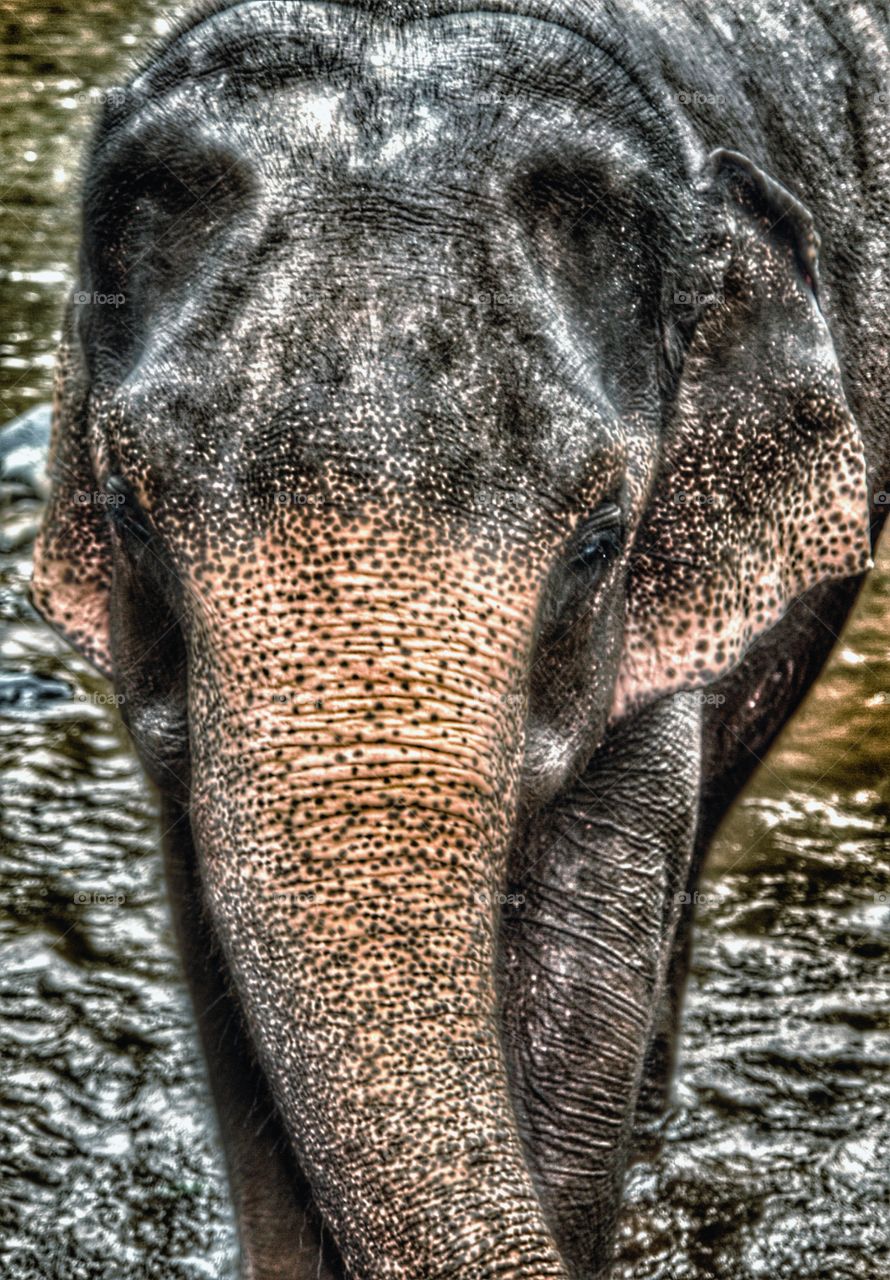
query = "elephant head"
x=430 y=422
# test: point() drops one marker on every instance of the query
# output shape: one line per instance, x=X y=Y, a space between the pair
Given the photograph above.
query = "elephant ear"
x=71 y=581
x=761 y=490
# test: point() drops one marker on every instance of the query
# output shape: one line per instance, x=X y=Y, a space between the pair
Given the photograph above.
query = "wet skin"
x=479 y=463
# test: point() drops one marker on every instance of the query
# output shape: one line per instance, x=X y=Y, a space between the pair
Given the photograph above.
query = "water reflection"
x=777 y=1156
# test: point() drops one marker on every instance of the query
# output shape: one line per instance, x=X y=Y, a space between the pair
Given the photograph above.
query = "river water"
x=776 y=1157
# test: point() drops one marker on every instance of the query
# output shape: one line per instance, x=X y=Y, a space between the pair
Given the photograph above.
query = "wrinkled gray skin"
x=476 y=480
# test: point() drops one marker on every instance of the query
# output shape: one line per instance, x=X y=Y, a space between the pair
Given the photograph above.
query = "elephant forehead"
x=359 y=88
x=315 y=383
x=337 y=254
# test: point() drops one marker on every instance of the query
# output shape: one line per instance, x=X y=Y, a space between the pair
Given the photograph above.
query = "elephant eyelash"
x=126 y=516
x=592 y=549
x=125 y=512
x=601 y=538
x=144 y=547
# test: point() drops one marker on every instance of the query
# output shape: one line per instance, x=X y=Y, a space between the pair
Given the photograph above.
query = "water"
x=776 y=1161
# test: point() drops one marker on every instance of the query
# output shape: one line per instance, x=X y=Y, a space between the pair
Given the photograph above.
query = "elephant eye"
x=124 y=510
x=600 y=539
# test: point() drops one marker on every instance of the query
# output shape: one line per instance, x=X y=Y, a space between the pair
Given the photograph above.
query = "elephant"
x=470 y=435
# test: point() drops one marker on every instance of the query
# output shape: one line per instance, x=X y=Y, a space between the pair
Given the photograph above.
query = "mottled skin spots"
x=479 y=395
x=369 y=881
x=762 y=437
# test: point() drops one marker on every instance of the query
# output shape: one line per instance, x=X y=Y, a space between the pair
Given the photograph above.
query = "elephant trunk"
x=584 y=964
x=353 y=789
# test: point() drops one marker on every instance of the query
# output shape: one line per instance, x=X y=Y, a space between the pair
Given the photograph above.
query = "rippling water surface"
x=776 y=1161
